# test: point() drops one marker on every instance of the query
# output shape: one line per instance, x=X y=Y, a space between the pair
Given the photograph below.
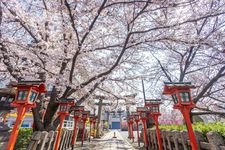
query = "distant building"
x=27 y=122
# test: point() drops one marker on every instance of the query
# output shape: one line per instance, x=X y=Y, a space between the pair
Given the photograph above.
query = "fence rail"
x=46 y=140
x=175 y=140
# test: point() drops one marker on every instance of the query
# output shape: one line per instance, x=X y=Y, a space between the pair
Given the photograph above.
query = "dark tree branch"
x=105 y=72
x=125 y=2
x=21 y=23
x=216 y=99
x=84 y=97
x=209 y=84
x=83 y=39
x=72 y=21
x=178 y=24
x=93 y=22
x=44 y=3
x=163 y=69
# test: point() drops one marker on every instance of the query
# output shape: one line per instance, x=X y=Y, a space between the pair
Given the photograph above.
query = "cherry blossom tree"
x=194 y=51
x=75 y=46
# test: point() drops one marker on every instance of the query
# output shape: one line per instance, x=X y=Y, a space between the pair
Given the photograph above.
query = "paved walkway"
x=107 y=142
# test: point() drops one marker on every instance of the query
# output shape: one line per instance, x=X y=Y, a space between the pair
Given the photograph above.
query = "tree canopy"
x=82 y=48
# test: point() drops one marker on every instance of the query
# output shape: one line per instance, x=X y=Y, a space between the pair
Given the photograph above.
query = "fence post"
x=176 y=137
x=50 y=143
x=4 y=136
x=163 y=134
x=184 y=138
x=43 y=139
x=168 y=138
x=215 y=140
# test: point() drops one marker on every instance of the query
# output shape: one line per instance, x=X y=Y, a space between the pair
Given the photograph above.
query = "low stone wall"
x=175 y=140
x=4 y=138
x=4 y=135
x=46 y=140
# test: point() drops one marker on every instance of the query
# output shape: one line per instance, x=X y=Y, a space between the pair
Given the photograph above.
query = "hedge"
x=204 y=128
x=23 y=138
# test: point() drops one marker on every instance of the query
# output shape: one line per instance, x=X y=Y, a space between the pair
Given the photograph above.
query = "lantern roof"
x=66 y=101
x=112 y=112
x=77 y=108
x=134 y=113
x=86 y=112
x=37 y=84
x=30 y=82
x=92 y=115
x=152 y=102
x=141 y=109
x=130 y=116
x=170 y=87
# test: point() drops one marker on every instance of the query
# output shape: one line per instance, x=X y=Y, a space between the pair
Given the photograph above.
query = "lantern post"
x=143 y=116
x=85 y=115
x=64 y=106
x=128 y=128
x=92 y=117
x=26 y=95
x=94 y=123
x=181 y=95
x=153 y=106
x=130 y=125
x=77 y=116
x=136 y=119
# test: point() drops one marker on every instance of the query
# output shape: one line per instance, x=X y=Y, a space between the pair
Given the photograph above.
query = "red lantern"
x=94 y=121
x=137 y=119
x=180 y=92
x=153 y=106
x=77 y=115
x=92 y=118
x=142 y=112
x=26 y=95
x=85 y=115
x=130 y=126
x=64 y=106
x=78 y=111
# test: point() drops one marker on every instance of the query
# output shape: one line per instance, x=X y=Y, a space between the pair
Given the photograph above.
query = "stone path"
x=107 y=142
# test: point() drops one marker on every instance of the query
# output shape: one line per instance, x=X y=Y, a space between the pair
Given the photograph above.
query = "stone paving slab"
x=107 y=142
x=133 y=143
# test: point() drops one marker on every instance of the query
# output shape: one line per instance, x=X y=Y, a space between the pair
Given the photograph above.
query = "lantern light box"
x=77 y=110
x=27 y=92
x=180 y=92
x=65 y=104
x=153 y=105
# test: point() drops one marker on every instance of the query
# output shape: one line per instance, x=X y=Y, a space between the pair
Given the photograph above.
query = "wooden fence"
x=175 y=140
x=4 y=138
x=46 y=140
x=4 y=135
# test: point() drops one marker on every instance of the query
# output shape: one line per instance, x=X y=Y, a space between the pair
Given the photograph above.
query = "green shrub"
x=204 y=128
x=23 y=138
